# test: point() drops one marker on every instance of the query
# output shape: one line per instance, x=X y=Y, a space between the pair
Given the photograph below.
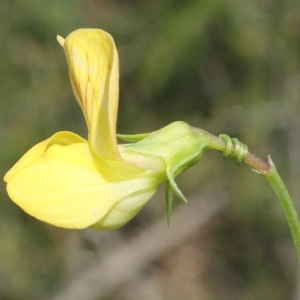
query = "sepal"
x=175 y=187
x=132 y=138
x=169 y=200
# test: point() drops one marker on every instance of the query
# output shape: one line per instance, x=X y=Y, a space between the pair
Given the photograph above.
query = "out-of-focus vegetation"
x=226 y=66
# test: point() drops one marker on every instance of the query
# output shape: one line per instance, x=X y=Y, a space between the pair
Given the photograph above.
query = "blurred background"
x=227 y=66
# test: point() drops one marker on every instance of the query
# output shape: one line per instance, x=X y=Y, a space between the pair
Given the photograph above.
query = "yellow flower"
x=71 y=182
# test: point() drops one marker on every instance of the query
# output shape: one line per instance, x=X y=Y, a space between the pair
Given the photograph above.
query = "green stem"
x=268 y=170
x=290 y=212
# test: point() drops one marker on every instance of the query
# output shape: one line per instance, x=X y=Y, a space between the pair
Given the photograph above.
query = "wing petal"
x=66 y=187
x=60 y=138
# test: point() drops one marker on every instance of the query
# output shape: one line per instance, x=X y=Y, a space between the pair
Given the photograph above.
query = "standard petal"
x=66 y=187
x=94 y=72
x=60 y=138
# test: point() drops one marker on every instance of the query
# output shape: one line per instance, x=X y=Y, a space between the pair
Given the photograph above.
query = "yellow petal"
x=66 y=187
x=126 y=208
x=60 y=138
x=94 y=72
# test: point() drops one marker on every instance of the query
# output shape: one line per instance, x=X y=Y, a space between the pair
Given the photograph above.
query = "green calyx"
x=170 y=150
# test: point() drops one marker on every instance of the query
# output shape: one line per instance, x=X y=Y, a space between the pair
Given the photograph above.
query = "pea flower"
x=71 y=182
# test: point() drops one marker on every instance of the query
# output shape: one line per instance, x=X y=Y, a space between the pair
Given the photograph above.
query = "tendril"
x=234 y=149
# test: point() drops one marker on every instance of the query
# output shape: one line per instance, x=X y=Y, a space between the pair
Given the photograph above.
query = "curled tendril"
x=240 y=149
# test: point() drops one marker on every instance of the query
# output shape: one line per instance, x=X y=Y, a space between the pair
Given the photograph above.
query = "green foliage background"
x=227 y=66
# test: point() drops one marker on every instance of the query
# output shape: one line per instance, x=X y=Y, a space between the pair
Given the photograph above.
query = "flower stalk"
x=269 y=172
x=287 y=204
